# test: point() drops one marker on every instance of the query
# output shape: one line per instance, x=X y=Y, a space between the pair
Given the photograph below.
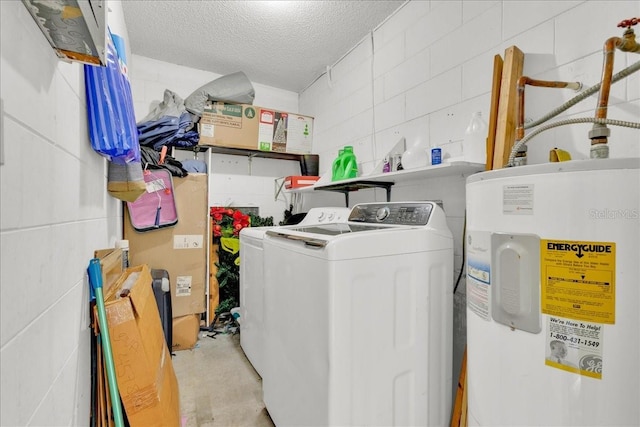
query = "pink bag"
x=156 y=208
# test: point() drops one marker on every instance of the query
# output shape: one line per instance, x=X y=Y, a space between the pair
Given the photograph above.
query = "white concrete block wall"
x=54 y=212
x=247 y=191
x=430 y=67
x=150 y=78
x=239 y=181
x=432 y=62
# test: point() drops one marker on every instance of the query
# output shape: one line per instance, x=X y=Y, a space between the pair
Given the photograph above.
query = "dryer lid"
x=336 y=229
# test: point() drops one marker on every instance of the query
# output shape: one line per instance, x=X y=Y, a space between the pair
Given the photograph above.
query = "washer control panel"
x=394 y=213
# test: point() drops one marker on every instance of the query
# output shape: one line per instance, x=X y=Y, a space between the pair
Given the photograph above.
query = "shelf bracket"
x=278 y=187
x=347 y=187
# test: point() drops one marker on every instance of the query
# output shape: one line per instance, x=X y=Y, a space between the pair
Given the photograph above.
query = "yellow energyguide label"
x=578 y=280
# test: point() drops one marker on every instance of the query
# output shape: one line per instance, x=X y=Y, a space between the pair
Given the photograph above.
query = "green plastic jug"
x=349 y=163
x=337 y=170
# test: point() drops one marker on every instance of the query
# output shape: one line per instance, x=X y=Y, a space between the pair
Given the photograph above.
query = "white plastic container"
x=415 y=157
x=474 y=147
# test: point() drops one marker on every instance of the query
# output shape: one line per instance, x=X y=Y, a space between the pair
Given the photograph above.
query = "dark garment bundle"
x=151 y=160
x=169 y=131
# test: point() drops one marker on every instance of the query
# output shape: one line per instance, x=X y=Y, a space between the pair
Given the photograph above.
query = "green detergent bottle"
x=337 y=170
x=349 y=163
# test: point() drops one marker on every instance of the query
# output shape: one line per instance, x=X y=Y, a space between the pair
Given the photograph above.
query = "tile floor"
x=218 y=385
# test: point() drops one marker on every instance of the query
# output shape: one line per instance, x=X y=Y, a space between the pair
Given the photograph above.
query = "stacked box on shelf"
x=250 y=127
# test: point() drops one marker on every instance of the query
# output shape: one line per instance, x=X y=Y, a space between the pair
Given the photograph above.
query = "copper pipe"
x=522 y=82
x=607 y=71
x=599 y=134
x=626 y=44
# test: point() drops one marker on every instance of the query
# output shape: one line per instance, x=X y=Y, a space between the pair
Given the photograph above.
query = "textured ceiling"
x=284 y=44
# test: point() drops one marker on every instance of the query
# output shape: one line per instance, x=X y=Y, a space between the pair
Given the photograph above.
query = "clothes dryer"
x=252 y=281
x=358 y=319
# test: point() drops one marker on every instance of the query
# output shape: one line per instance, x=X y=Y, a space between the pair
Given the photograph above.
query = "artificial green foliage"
x=258 y=221
x=228 y=276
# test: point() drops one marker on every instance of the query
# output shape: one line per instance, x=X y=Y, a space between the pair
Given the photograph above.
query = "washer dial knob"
x=382 y=213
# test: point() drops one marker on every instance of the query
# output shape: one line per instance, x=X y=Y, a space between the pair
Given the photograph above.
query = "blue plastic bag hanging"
x=112 y=125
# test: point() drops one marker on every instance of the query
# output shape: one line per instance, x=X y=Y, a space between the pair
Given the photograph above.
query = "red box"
x=299 y=181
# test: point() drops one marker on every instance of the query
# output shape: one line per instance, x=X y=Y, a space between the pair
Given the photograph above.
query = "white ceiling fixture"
x=284 y=44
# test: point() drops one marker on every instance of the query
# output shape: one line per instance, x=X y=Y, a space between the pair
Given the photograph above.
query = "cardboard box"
x=185 y=331
x=110 y=265
x=181 y=249
x=144 y=372
x=251 y=127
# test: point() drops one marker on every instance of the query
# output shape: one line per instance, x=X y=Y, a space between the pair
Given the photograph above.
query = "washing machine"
x=553 y=295
x=358 y=319
x=252 y=281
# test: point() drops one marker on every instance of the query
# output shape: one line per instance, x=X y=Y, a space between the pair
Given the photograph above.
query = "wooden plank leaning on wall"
x=507 y=113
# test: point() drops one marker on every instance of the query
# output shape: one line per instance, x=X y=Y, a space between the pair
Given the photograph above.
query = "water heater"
x=553 y=294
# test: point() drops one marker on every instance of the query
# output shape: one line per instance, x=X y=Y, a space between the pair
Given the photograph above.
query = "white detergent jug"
x=474 y=146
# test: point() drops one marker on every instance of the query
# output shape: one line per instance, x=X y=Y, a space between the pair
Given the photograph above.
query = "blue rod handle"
x=95 y=273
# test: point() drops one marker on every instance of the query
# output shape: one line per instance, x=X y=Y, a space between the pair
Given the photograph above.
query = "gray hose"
x=524 y=140
x=588 y=92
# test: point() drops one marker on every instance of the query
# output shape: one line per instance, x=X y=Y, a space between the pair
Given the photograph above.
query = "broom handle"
x=95 y=278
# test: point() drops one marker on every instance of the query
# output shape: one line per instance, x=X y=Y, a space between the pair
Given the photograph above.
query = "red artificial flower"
x=217 y=210
x=228 y=222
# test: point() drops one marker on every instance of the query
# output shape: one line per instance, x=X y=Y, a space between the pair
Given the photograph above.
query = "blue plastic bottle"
x=337 y=170
x=349 y=163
